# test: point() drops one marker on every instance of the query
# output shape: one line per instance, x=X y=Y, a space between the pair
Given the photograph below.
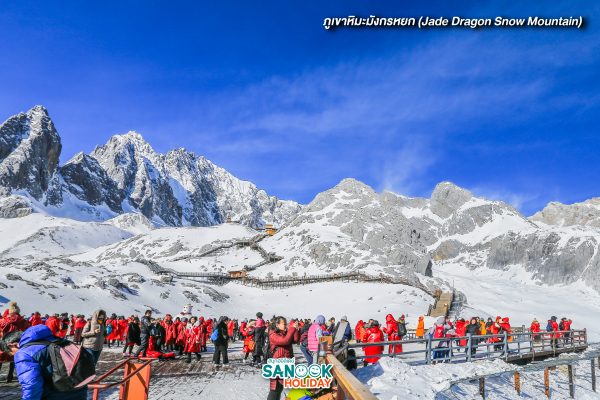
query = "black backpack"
x=401 y=330
x=72 y=365
x=267 y=352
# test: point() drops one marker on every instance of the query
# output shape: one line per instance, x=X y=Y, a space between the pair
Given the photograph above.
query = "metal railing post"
x=593 y=362
x=505 y=345
x=428 y=350
x=482 y=387
x=469 y=344
x=571 y=381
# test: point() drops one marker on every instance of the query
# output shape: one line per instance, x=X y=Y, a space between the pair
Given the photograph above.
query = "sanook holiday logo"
x=314 y=376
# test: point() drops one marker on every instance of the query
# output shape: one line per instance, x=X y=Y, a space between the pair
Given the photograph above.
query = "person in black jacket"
x=145 y=323
x=473 y=329
x=259 y=338
x=160 y=334
x=133 y=336
x=221 y=342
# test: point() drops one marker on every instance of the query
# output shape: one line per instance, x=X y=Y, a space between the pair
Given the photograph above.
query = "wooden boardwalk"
x=442 y=305
x=167 y=375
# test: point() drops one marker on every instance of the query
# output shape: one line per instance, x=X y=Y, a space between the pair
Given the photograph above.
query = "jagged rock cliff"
x=124 y=175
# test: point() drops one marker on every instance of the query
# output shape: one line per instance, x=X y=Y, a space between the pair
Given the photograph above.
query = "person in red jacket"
x=203 y=336
x=170 y=333
x=180 y=340
x=496 y=329
x=192 y=339
x=373 y=335
x=64 y=325
x=281 y=339
x=72 y=325
x=552 y=327
x=391 y=330
x=359 y=330
x=123 y=325
x=461 y=332
x=36 y=319
x=535 y=328
x=230 y=329
x=53 y=322
x=248 y=335
x=79 y=325
x=208 y=328
x=565 y=325
x=115 y=332
x=505 y=324
x=12 y=320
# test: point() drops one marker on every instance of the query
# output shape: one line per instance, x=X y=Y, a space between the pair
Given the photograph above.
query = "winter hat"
x=320 y=319
x=13 y=307
x=375 y=323
x=553 y=318
x=259 y=315
x=344 y=318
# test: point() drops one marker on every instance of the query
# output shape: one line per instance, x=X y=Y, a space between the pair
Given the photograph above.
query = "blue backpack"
x=214 y=335
x=109 y=329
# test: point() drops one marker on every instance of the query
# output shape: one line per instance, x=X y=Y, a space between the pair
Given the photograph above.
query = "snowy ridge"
x=125 y=175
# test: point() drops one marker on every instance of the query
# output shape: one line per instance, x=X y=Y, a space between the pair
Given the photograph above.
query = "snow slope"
x=516 y=294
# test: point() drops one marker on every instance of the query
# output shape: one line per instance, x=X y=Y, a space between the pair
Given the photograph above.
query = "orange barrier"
x=135 y=384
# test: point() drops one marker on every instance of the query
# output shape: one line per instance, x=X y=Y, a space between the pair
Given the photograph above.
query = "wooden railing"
x=348 y=387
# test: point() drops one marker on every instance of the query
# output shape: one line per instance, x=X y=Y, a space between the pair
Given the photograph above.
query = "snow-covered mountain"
x=124 y=175
x=350 y=228
x=125 y=190
x=459 y=228
x=585 y=213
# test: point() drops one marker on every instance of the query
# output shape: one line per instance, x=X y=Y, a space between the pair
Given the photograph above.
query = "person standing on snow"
x=315 y=332
x=391 y=330
x=34 y=367
x=193 y=337
x=420 y=332
x=259 y=338
x=439 y=331
x=145 y=324
x=281 y=340
x=221 y=342
x=94 y=333
x=133 y=336
x=304 y=343
x=359 y=331
x=373 y=335
x=472 y=329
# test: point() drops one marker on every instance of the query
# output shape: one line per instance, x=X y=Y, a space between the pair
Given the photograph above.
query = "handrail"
x=126 y=390
x=102 y=386
x=511 y=347
x=348 y=384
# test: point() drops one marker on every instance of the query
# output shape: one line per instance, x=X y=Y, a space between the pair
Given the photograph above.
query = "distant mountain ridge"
x=126 y=175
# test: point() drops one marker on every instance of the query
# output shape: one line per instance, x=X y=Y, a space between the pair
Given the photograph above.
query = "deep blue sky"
x=264 y=91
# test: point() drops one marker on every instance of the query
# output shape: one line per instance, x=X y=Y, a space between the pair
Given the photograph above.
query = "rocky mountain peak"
x=29 y=152
x=586 y=213
x=447 y=198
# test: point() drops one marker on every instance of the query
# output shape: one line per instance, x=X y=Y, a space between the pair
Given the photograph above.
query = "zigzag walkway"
x=252 y=243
